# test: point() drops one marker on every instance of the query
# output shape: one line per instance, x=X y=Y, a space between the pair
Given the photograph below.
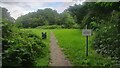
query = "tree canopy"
x=45 y=17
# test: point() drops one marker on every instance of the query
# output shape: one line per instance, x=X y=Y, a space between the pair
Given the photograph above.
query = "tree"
x=6 y=15
x=41 y=17
x=92 y=12
x=67 y=20
x=45 y=17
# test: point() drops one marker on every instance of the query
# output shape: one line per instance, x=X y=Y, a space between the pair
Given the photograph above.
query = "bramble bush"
x=20 y=48
x=107 y=38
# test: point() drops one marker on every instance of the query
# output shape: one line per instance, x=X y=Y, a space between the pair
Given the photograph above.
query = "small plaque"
x=86 y=32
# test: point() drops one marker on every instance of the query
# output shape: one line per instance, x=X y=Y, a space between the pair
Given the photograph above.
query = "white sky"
x=22 y=7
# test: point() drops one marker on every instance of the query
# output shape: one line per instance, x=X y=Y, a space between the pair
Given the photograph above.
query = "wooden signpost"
x=86 y=32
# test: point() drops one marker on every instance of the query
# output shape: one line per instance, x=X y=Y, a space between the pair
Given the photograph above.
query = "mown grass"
x=73 y=44
x=44 y=61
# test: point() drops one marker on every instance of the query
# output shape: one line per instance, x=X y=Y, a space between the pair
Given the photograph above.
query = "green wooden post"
x=86 y=44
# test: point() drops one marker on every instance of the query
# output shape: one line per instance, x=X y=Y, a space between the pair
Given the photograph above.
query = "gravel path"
x=57 y=57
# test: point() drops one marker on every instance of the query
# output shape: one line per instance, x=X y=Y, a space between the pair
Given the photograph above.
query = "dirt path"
x=56 y=55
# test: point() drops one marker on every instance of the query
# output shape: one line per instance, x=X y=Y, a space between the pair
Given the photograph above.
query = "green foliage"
x=78 y=12
x=75 y=26
x=39 y=18
x=24 y=47
x=45 y=17
x=67 y=20
x=6 y=15
x=44 y=61
x=49 y=27
x=108 y=38
x=94 y=25
x=91 y=11
x=20 y=48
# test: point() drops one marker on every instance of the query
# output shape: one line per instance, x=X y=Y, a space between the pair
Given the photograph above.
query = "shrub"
x=50 y=27
x=108 y=38
x=76 y=26
x=20 y=48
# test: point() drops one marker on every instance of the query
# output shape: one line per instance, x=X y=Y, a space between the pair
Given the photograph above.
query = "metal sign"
x=86 y=32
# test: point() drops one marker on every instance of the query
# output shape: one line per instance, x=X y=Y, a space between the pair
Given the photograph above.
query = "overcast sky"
x=17 y=9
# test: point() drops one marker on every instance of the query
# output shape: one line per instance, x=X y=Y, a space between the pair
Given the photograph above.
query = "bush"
x=50 y=27
x=76 y=26
x=20 y=48
x=108 y=38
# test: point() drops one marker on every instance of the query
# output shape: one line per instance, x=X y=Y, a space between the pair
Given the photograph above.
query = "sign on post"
x=86 y=32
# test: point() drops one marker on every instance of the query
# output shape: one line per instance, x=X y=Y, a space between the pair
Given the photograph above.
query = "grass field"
x=73 y=44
